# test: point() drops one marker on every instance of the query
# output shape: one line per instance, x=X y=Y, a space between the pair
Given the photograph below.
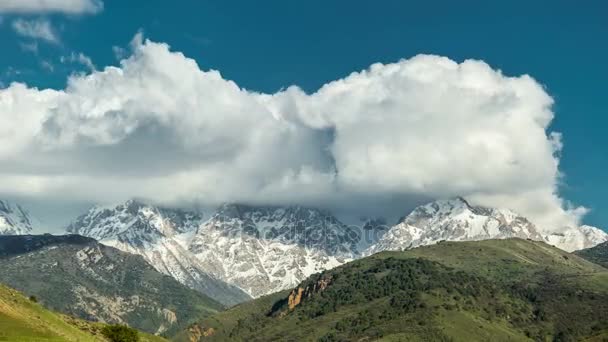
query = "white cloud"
x=51 y=6
x=36 y=29
x=79 y=58
x=159 y=127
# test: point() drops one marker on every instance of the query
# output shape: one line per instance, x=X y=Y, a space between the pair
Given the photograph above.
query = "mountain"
x=454 y=220
x=576 y=238
x=258 y=250
x=14 y=220
x=268 y=249
x=22 y=319
x=457 y=220
x=491 y=290
x=83 y=278
x=160 y=236
x=597 y=254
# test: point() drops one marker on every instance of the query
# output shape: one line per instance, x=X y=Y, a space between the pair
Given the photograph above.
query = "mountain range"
x=262 y=250
x=240 y=251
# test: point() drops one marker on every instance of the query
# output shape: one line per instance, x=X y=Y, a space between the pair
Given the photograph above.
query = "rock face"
x=160 y=236
x=260 y=250
x=298 y=294
x=265 y=250
x=81 y=277
x=454 y=220
x=14 y=220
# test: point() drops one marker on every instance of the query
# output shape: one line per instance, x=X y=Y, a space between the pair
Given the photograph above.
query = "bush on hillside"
x=120 y=333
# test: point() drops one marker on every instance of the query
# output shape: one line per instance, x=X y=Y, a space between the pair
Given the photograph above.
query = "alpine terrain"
x=78 y=276
x=457 y=220
x=161 y=237
x=15 y=220
x=260 y=250
x=22 y=319
x=267 y=249
x=491 y=290
x=597 y=254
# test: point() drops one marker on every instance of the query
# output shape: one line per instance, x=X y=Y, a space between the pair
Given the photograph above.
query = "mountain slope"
x=80 y=277
x=15 y=220
x=577 y=238
x=457 y=220
x=23 y=320
x=157 y=235
x=454 y=220
x=597 y=254
x=259 y=249
x=267 y=249
x=500 y=290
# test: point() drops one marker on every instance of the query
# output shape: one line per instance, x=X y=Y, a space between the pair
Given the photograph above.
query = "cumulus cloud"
x=36 y=29
x=51 y=6
x=160 y=128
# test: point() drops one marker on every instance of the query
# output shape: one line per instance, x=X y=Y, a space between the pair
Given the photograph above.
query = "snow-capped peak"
x=268 y=249
x=15 y=220
x=135 y=219
x=160 y=236
x=575 y=238
x=454 y=220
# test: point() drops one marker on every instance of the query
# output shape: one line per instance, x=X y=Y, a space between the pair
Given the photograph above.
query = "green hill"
x=22 y=320
x=597 y=254
x=498 y=290
x=80 y=277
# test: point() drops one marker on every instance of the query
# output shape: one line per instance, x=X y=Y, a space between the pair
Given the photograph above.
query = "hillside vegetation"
x=21 y=319
x=597 y=254
x=498 y=290
x=80 y=277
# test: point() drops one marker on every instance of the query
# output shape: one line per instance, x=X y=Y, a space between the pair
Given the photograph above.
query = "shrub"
x=33 y=299
x=120 y=333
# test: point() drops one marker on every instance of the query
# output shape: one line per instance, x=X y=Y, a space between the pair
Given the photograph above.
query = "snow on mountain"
x=575 y=238
x=257 y=249
x=244 y=251
x=454 y=220
x=267 y=249
x=14 y=220
x=157 y=235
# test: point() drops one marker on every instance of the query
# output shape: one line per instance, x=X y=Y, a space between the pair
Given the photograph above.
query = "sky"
x=362 y=107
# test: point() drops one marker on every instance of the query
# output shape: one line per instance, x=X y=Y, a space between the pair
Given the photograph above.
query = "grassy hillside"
x=78 y=276
x=23 y=320
x=499 y=290
x=597 y=254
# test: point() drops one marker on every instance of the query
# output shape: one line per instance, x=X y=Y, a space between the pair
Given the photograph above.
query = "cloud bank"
x=73 y=7
x=158 y=127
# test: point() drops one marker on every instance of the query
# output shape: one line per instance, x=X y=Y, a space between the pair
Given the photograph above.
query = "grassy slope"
x=522 y=288
x=52 y=274
x=23 y=320
x=597 y=254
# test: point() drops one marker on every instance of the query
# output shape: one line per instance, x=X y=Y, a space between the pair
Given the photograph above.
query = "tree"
x=120 y=333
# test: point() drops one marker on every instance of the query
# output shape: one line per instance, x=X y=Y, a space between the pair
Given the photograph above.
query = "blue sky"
x=266 y=46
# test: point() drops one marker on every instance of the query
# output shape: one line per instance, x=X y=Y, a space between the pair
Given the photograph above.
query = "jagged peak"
x=238 y=210
x=15 y=220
